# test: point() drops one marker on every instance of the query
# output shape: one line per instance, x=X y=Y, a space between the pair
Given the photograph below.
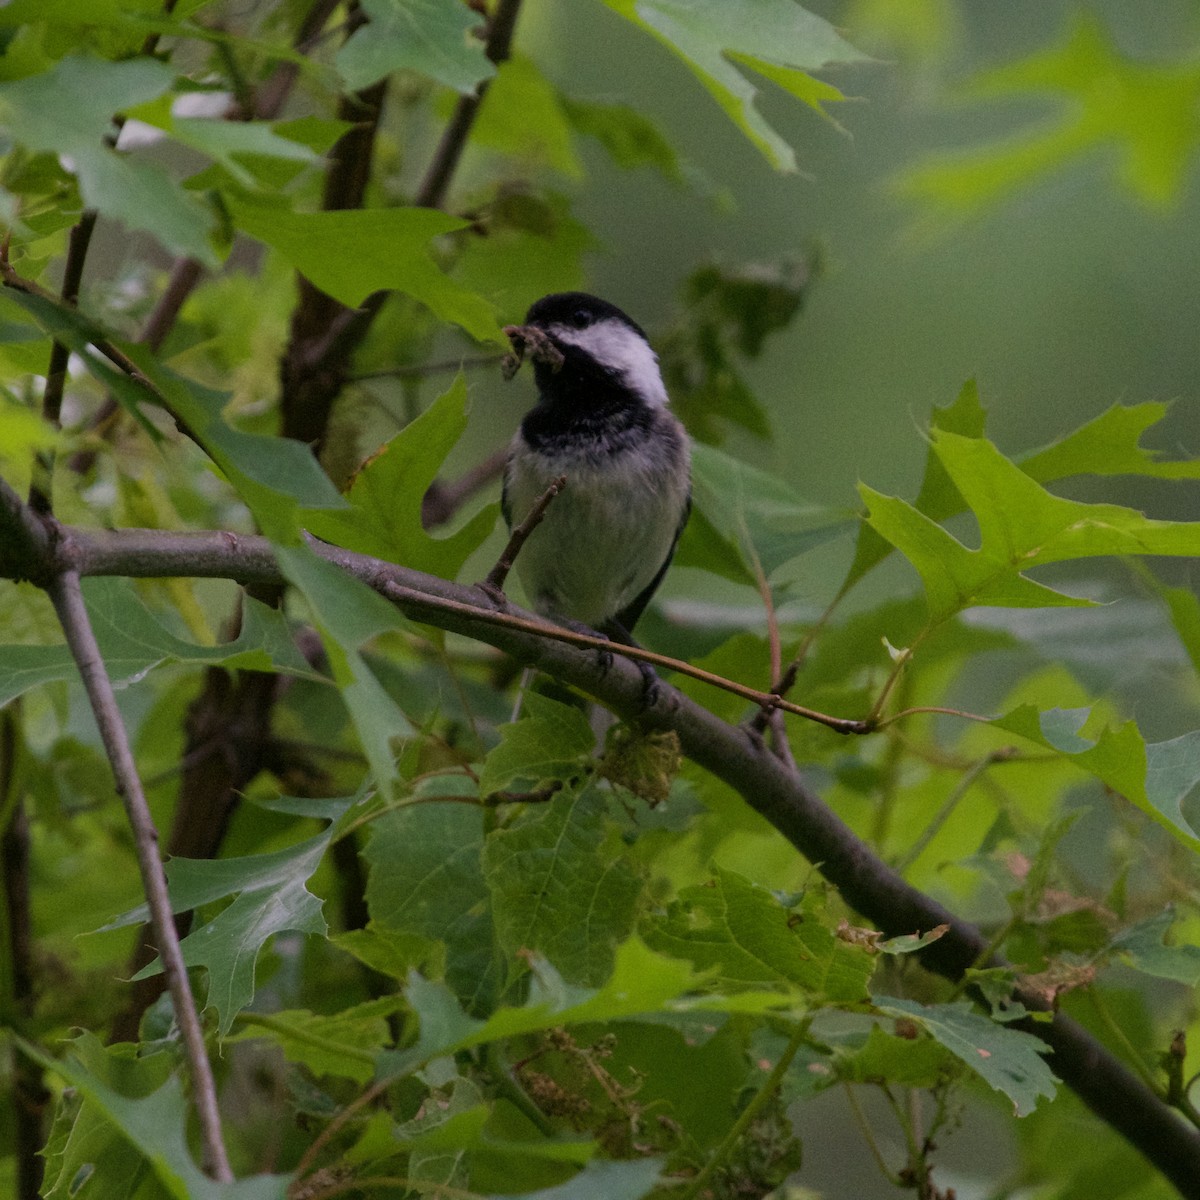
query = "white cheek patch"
x=616 y=346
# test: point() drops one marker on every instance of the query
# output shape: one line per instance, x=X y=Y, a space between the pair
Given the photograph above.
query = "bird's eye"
x=580 y=318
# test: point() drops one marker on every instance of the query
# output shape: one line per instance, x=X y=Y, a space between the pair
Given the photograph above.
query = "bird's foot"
x=493 y=592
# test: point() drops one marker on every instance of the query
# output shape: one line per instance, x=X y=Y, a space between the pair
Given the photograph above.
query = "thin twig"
x=498 y=47
x=67 y=597
x=697 y=1185
x=499 y=573
x=420 y=370
x=406 y=596
x=443 y=499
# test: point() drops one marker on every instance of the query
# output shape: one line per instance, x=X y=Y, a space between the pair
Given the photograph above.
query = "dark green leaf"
x=554 y=890
x=386 y=495
x=749 y=939
x=425 y=881
x=133 y=641
x=552 y=741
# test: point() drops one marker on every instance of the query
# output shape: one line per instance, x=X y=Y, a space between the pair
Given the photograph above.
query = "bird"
x=602 y=420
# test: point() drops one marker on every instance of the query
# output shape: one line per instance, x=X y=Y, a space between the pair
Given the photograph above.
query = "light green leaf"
x=1009 y=1060
x=521 y=116
x=556 y=892
x=344 y=1044
x=1154 y=777
x=347 y=613
x=154 y=1123
x=749 y=939
x=133 y=641
x=426 y=36
x=352 y=253
x=386 y=495
x=552 y=741
x=1110 y=444
x=1020 y=520
x=67 y=110
x=777 y=38
x=1146 y=111
x=954 y=577
x=1021 y=525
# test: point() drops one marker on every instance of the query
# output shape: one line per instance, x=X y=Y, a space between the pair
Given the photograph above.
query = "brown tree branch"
x=67 y=597
x=734 y=755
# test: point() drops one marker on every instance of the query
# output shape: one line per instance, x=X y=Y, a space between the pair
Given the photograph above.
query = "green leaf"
x=153 y=1123
x=631 y=139
x=386 y=495
x=270 y=897
x=954 y=577
x=1155 y=777
x=762 y=516
x=521 y=116
x=273 y=475
x=67 y=110
x=554 y=890
x=1020 y=520
x=533 y=246
x=344 y=1044
x=133 y=641
x=886 y=1058
x=749 y=939
x=552 y=741
x=425 y=881
x=1110 y=444
x=347 y=613
x=425 y=36
x=776 y=38
x=351 y=253
x=1021 y=525
x=1143 y=946
x=1007 y=1059
x=1147 y=112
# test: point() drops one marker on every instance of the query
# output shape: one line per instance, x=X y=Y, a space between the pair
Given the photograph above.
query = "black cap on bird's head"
x=580 y=343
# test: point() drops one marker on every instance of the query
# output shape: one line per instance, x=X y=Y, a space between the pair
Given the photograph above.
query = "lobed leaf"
x=775 y=38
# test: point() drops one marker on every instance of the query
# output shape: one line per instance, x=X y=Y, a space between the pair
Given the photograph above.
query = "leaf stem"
x=757 y=1103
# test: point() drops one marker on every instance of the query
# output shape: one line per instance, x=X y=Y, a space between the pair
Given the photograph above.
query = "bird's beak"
x=530 y=341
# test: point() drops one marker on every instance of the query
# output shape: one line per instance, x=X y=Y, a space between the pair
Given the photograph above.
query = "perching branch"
x=732 y=753
x=67 y=597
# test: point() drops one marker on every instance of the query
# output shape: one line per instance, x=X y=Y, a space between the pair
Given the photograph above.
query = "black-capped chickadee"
x=602 y=420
